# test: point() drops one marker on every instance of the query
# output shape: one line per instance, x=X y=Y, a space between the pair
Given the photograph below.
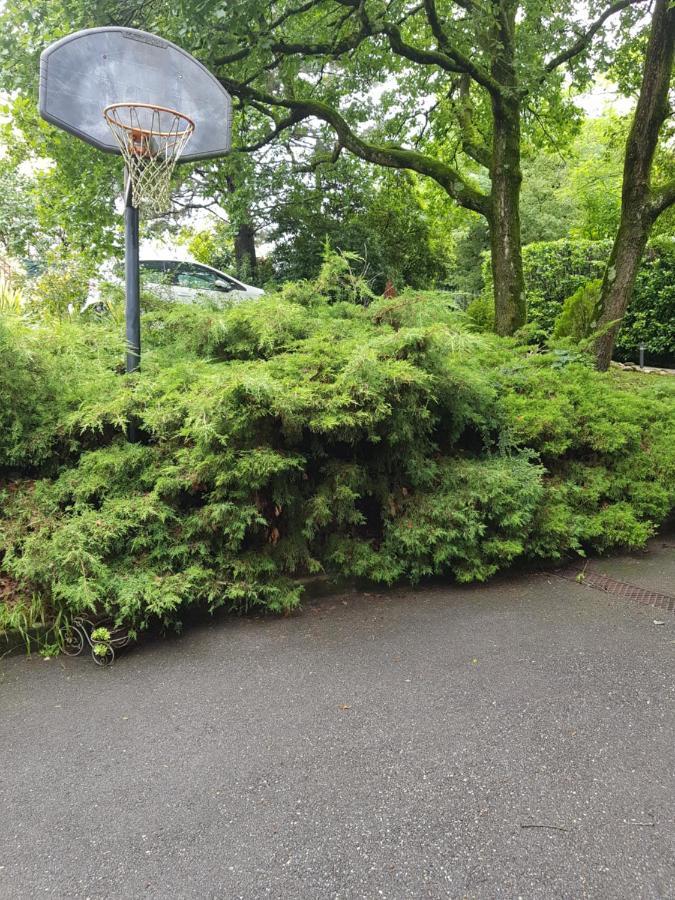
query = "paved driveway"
x=514 y=740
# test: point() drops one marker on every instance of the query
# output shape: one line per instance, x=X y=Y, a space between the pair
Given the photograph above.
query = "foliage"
x=381 y=218
x=555 y=270
x=29 y=619
x=338 y=281
x=574 y=191
x=650 y=318
x=11 y=297
x=580 y=313
x=471 y=241
x=213 y=246
x=481 y=311
x=282 y=438
x=28 y=400
x=70 y=196
x=61 y=288
x=593 y=178
x=18 y=217
x=548 y=210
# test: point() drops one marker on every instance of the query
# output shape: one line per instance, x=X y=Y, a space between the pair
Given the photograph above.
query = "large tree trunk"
x=245 y=259
x=244 y=251
x=507 y=261
x=638 y=211
x=505 y=175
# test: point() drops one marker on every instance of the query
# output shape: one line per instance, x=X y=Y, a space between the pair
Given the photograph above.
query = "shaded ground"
x=373 y=746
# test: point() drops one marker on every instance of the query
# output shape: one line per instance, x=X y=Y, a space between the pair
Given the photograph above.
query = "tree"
x=70 y=205
x=468 y=77
x=18 y=221
x=641 y=203
x=461 y=84
x=377 y=215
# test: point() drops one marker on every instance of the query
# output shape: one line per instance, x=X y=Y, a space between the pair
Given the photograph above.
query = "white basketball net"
x=151 y=139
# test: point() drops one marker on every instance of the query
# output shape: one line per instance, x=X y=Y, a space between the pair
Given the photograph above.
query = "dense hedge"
x=555 y=270
x=289 y=436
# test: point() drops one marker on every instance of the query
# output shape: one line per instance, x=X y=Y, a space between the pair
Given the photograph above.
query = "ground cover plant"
x=296 y=435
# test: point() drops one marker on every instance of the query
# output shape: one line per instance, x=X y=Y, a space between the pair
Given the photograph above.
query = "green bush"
x=61 y=289
x=650 y=318
x=285 y=438
x=580 y=313
x=481 y=311
x=47 y=372
x=554 y=270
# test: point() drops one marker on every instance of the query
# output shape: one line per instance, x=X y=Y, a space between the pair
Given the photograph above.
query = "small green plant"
x=481 y=312
x=26 y=616
x=100 y=634
x=338 y=281
x=11 y=298
x=580 y=313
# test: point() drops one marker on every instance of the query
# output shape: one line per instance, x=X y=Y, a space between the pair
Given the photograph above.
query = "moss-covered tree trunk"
x=639 y=205
x=505 y=173
x=504 y=220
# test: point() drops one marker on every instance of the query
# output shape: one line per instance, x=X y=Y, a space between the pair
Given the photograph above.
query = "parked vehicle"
x=184 y=282
x=187 y=281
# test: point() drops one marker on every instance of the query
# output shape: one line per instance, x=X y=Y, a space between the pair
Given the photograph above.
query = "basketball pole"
x=132 y=311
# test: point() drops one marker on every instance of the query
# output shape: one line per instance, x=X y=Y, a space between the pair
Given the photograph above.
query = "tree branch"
x=662 y=198
x=462 y=62
x=447 y=57
x=585 y=39
x=293 y=118
x=417 y=54
x=448 y=178
x=472 y=144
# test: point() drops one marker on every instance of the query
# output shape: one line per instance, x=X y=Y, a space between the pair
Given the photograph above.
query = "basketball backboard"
x=85 y=72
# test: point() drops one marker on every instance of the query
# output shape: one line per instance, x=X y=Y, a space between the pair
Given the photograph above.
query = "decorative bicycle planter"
x=99 y=635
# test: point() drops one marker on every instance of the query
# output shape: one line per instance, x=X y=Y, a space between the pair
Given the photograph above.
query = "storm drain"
x=621 y=589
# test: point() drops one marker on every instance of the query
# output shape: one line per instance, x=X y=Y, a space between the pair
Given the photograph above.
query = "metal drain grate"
x=622 y=589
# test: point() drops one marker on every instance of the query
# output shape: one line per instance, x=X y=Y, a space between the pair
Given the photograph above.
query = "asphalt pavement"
x=511 y=740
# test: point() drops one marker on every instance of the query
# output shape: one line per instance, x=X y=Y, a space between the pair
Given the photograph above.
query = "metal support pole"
x=132 y=282
x=132 y=288
x=642 y=356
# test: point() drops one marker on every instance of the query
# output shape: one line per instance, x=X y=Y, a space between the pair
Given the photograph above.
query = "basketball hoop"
x=82 y=78
x=151 y=139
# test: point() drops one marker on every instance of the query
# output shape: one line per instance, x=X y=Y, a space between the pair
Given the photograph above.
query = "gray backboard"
x=84 y=72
